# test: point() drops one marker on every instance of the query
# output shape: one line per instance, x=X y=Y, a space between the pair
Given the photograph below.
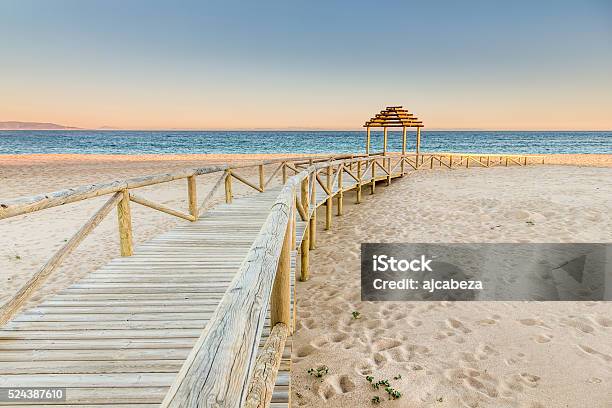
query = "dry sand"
x=449 y=354
x=458 y=354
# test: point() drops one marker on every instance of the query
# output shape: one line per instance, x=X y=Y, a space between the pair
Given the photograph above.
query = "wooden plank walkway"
x=119 y=336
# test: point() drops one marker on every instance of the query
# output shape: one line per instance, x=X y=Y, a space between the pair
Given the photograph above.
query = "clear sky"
x=307 y=64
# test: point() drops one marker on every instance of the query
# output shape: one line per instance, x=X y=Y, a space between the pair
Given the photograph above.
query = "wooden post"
x=467 y=161
x=358 y=199
x=506 y=161
x=450 y=161
x=368 y=140
x=403 y=148
x=373 y=184
x=329 y=201
x=280 y=298
x=193 y=197
x=284 y=172
x=228 y=186
x=262 y=182
x=313 y=217
x=384 y=141
x=125 y=224
x=418 y=144
x=293 y=223
x=388 y=171
x=488 y=160
x=431 y=164
x=305 y=245
x=340 y=190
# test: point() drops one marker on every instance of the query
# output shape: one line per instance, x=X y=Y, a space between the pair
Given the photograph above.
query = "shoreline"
x=586 y=159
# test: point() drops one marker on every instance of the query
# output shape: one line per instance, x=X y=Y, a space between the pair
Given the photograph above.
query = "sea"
x=189 y=142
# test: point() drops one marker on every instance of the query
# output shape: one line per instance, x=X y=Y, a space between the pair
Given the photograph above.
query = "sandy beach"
x=481 y=354
x=459 y=354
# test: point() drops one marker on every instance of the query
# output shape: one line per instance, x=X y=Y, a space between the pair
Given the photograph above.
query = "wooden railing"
x=224 y=367
x=122 y=193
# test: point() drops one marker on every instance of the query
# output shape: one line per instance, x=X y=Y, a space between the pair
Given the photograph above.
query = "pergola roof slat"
x=394 y=116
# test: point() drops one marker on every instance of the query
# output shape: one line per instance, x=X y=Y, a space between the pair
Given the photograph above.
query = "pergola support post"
x=385 y=137
x=403 y=148
x=418 y=144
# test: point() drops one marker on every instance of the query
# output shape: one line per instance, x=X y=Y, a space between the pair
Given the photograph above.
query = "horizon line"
x=306 y=129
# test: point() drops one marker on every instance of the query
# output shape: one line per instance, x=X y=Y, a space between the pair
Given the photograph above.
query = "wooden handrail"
x=219 y=367
x=247 y=182
x=160 y=207
x=13 y=305
x=26 y=205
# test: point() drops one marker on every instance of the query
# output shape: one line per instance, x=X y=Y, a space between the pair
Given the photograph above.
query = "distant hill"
x=14 y=125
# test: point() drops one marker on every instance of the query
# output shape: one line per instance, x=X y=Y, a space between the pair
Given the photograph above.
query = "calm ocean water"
x=170 y=142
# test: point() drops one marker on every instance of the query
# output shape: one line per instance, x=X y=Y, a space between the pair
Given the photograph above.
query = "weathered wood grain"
x=218 y=370
x=268 y=361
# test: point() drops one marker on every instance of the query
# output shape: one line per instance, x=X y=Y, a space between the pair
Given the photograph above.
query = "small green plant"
x=398 y=377
x=393 y=393
x=440 y=399
x=376 y=385
x=319 y=372
x=369 y=378
x=356 y=315
x=530 y=222
x=376 y=399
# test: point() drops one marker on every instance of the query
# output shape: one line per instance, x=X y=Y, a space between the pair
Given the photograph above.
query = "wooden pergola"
x=394 y=117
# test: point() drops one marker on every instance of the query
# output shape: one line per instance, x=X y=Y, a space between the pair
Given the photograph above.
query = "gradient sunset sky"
x=309 y=64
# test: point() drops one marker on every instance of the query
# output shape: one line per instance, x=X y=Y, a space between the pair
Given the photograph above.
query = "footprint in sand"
x=530 y=379
x=518 y=358
x=487 y=322
x=385 y=344
x=457 y=325
x=483 y=351
x=380 y=360
x=399 y=316
x=308 y=323
x=364 y=367
x=415 y=323
x=305 y=351
x=339 y=337
x=603 y=321
x=475 y=380
x=533 y=322
x=543 y=338
x=334 y=385
x=320 y=342
x=579 y=324
x=373 y=324
x=593 y=352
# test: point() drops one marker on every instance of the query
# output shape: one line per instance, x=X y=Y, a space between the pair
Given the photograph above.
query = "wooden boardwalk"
x=119 y=336
x=135 y=332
